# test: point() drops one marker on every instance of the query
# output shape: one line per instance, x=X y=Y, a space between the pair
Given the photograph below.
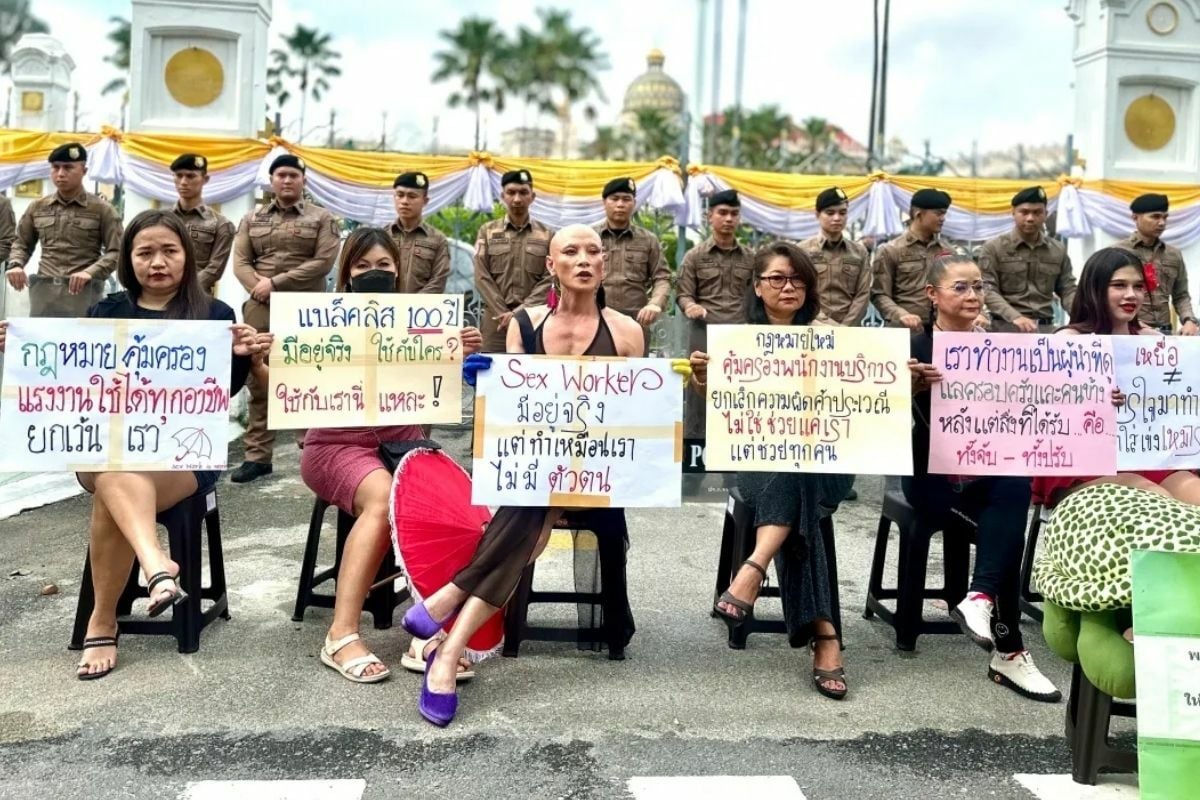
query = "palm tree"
x=656 y=135
x=524 y=69
x=119 y=36
x=314 y=65
x=574 y=58
x=16 y=20
x=610 y=144
x=478 y=50
x=818 y=132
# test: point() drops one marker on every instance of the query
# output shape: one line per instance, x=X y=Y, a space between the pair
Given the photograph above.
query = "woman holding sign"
x=574 y=323
x=158 y=269
x=990 y=615
x=787 y=505
x=344 y=467
x=1112 y=290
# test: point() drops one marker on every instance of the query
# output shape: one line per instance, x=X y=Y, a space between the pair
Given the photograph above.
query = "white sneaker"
x=1017 y=672
x=974 y=616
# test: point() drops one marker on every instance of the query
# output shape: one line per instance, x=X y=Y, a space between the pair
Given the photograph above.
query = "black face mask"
x=374 y=280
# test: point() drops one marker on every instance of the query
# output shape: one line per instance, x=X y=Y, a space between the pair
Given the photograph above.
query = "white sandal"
x=353 y=669
x=417 y=663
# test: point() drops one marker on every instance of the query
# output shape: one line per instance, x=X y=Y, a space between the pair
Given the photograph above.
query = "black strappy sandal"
x=733 y=621
x=821 y=676
x=96 y=641
x=174 y=598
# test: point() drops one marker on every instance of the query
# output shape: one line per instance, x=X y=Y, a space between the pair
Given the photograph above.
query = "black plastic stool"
x=738 y=537
x=382 y=600
x=1029 y=596
x=910 y=592
x=611 y=533
x=1089 y=712
x=186 y=523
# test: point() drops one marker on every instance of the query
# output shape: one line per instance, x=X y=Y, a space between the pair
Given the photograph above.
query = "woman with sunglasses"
x=990 y=615
x=787 y=505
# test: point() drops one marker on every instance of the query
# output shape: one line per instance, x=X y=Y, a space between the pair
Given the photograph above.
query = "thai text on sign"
x=101 y=395
x=1015 y=404
x=578 y=432
x=801 y=399
x=1158 y=427
x=345 y=360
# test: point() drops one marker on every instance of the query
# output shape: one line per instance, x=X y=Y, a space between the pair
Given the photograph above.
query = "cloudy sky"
x=997 y=73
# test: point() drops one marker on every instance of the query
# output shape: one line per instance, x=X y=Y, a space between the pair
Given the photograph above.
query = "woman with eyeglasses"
x=787 y=505
x=990 y=615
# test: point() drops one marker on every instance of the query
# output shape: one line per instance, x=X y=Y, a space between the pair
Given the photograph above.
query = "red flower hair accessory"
x=1151 y=276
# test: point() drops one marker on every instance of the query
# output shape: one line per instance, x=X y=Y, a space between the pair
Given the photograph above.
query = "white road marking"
x=716 y=787
x=1061 y=787
x=275 y=790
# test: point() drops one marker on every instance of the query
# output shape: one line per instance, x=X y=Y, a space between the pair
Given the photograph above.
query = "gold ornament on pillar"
x=194 y=77
x=1150 y=122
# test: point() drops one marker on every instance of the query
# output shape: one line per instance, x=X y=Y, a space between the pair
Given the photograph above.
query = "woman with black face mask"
x=342 y=466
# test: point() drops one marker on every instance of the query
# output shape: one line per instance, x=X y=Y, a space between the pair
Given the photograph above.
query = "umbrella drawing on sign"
x=435 y=530
x=192 y=442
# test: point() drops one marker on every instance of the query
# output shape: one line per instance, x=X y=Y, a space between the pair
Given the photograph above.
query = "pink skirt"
x=336 y=460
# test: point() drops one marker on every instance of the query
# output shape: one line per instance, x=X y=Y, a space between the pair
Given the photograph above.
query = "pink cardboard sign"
x=1016 y=404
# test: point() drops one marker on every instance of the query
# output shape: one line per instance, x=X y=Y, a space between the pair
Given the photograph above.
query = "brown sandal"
x=823 y=677
x=733 y=621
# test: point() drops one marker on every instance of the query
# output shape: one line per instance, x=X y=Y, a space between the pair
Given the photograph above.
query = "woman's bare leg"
x=111 y=560
x=443 y=669
x=746 y=583
x=1183 y=486
x=827 y=653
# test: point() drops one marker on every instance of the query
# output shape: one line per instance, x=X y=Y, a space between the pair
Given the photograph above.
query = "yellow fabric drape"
x=373 y=169
x=1181 y=194
x=24 y=147
x=221 y=152
x=785 y=189
x=583 y=180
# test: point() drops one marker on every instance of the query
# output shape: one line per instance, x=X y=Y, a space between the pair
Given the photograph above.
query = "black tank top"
x=602 y=343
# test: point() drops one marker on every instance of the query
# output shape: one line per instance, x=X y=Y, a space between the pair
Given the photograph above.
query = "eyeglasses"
x=962 y=287
x=777 y=281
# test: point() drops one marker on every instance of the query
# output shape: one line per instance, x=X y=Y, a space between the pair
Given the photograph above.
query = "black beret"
x=287 y=160
x=71 y=153
x=729 y=197
x=516 y=176
x=930 y=200
x=1149 y=203
x=831 y=197
x=190 y=161
x=411 y=180
x=619 y=185
x=1034 y=194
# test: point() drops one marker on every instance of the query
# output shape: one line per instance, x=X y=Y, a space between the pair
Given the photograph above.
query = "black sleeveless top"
x=531 y=339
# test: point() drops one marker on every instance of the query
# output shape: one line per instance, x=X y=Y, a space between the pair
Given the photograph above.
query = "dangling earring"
x=552 y=295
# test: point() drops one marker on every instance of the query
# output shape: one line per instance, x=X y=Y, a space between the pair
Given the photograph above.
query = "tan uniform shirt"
x=8 y=228
x=716 y=279
x=1026 y=277
x=510 y=264
x=83 y=233
x=843 y=278
x=424 y=258
x=1172 y=281
x=294 y=247
x=898 y=277
x=212 y=241
x=634 y=268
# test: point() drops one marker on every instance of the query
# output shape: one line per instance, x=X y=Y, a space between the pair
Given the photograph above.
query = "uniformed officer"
x=80 y=234
x=8 y=228
x=898 y=276
x=713 y=280
x=424 y=253
x=510 y=260
x=210 y=232
x=1150 y=219
x=843 y=267
x=637 y=281
x=1025 y=269
x=287 y=245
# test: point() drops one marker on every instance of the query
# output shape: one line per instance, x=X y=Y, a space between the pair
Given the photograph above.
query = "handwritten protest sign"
x=344 y=360
x=1166 y=634
x=1016 y=404
x=1159 y=425
x=578 y=432
x=808 y=400
x=101 y=395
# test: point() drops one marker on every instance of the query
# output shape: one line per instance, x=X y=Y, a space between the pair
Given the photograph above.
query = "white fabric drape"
x=1090 y=210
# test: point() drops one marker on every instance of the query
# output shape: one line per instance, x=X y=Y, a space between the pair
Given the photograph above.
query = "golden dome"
x=654 y=89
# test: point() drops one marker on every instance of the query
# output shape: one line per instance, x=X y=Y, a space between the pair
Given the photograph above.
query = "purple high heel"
x=418 y=622
x=434 y=706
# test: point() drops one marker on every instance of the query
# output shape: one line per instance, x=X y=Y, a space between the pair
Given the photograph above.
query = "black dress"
x=120 y=305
